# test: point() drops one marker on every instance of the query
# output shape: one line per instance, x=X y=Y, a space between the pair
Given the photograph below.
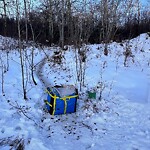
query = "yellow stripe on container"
x=64 y=99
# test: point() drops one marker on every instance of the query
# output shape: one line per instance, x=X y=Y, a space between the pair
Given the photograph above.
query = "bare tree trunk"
x=7 y=55
x=69 y=21
x=50 y=22
x=5 y=18
x=32 y=67
x=62 y=25
x=105 y=26
x=26 y=19
x=20 y=50
x=2 y=76
x=138 y=14
x=32 y=53
x=108 y=9
x=3 y=81
x=80 y=56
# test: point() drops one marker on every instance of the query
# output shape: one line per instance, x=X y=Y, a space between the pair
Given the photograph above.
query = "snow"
x=66 y=90
x=119 y=117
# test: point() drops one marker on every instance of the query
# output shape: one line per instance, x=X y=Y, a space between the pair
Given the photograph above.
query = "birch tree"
x=33 y=38
x=26 y=19
x=20 y=50
x=2 y=75
x=69 y=20
x=62 y=24
x=50 y=21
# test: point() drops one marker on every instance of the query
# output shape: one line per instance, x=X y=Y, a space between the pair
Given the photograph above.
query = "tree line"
x=74 y=22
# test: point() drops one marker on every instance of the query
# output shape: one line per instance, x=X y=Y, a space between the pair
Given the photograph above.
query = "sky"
x=144 y=1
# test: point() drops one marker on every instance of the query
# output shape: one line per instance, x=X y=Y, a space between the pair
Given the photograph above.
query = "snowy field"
x=118 y=119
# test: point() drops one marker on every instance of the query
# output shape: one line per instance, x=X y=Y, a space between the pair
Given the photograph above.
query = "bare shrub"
x=16 y=143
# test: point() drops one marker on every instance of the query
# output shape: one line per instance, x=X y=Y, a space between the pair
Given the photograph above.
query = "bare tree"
x=33 y=38
x=62 y=24
x=69 y=19
x=20 y=50
x=50 y=21
x=108 y=10
x=26 y=19
x=5 y=16
x=2 y=75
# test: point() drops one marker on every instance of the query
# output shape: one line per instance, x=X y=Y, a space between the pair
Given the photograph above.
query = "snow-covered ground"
x=118 y=119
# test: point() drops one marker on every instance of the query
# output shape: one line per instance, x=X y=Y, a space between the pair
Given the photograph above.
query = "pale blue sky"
x=144 y=1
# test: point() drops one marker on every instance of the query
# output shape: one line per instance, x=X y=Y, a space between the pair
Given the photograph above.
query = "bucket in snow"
x=61 y=100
